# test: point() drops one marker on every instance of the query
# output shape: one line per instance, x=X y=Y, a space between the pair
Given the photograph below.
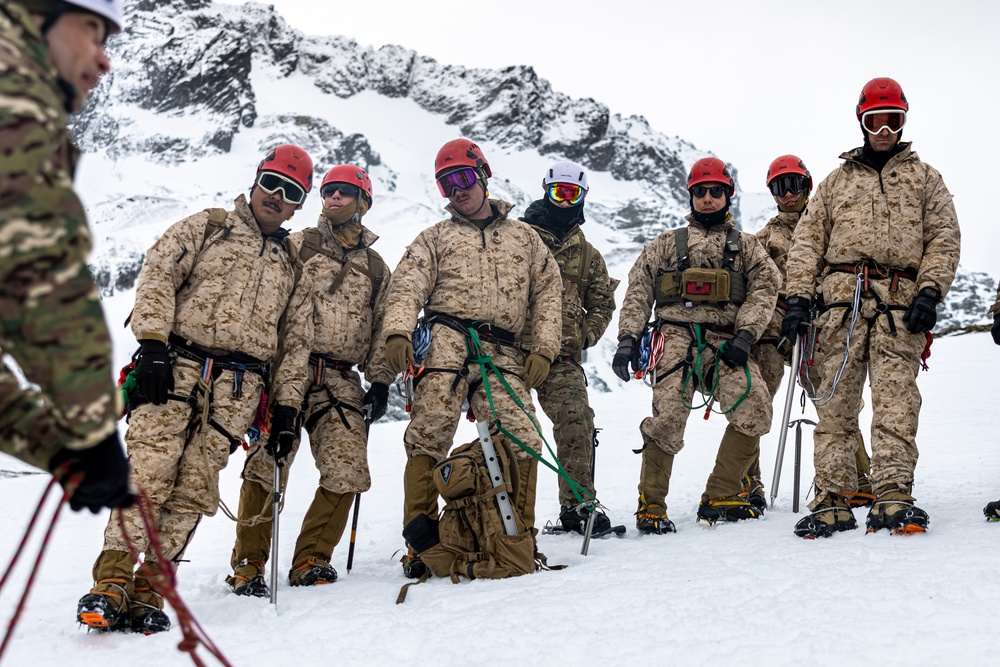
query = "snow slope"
x=743 y=593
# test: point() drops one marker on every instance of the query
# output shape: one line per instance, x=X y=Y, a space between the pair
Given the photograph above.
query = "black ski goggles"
x=345 y=190
x=794 y=183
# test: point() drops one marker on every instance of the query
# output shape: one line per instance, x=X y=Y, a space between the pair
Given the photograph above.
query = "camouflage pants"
x=665 y=428
x=338 y=439
x=53 y=327
x=892 y=362
x=437 y=405
x=177 y=460
x=563 y=397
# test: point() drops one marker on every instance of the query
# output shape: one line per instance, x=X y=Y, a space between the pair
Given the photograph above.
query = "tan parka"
x=344 y=325
x=705 y=249
x=776 y=237
x=226 y=292
x=902 y=218
x=492 y=275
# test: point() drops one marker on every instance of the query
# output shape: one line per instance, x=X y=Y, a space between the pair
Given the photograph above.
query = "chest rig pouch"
x=687 y=284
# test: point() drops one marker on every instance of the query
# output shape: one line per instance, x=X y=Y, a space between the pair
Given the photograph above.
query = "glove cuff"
x=930 y=293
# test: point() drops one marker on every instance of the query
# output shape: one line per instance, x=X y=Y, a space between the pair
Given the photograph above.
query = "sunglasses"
x=794 y=183
x=874 y=121
x=291 y=192
x=345 y=190
x=717 y=191
x=568 y=192
x=459 y=179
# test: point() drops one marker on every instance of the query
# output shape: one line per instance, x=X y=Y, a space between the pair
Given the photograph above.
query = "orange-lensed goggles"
x=874 y=121
x=568 y=192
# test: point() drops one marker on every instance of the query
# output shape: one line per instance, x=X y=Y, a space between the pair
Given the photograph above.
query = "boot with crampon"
x=831 y=516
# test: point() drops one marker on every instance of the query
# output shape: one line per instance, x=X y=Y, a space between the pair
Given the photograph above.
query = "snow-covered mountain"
x=200 y=91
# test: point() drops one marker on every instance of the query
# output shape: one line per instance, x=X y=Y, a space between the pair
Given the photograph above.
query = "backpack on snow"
x=468 y=539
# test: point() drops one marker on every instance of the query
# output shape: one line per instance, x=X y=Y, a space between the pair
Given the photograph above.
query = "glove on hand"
x=737 y=350
x=628 y=353
x=398 y=351
x=796 y=315
x=283 y=432
x=995 y=331
x=377 y=399
x=536 y=369
x=921 y=316
x=154 y=373
x=105 y=475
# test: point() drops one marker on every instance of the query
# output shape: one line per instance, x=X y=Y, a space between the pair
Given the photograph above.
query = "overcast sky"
x=747 y=80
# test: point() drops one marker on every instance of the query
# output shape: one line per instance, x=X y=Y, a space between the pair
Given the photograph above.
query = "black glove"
x=628 y=353
x=796 y=316
x=921 y=316
x=154 y=375
x=737 y=350
x=995 y=331
x=421 y=533
x=105 y=475
x=283 y=432
x=377 y=399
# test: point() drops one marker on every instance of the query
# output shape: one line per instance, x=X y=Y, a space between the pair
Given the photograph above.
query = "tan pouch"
x=705 y=285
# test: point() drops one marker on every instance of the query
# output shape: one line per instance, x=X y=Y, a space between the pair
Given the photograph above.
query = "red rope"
x=71 y=485
x=164 y=582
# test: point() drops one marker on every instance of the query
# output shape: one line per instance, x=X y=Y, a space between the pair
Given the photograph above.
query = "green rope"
x=696 y=368
x=474 y=349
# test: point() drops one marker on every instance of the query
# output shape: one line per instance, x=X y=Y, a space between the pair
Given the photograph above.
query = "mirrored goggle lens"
x=566 y=192
x=794 y=183
x=345 y=190
x=717 y=191
x=291 y=191
x=460 y=179
x=874 y=121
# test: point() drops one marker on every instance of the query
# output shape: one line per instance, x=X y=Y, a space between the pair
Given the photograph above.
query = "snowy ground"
x=747 y=593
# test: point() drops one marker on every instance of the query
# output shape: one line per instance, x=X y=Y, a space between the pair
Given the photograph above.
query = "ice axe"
x=796 y=358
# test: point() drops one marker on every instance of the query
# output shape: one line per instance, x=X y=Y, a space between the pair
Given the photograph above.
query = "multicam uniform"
x=216 y=294
x=490 y=277
x=333 y=326
x=588 y=302
x=898 y=229
x=50 y=309
x=717 y=323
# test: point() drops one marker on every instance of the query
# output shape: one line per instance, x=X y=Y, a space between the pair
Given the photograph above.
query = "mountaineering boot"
x=992 y=511
x=753 y=492
x=146 y=606
x=737 y=451
x=894 y=509
x=574 y=519
x=527 y=471
x=651 y=519
x=248 y=579
x=731 y=508
x=830 y=516
x=420 y=496
x=106 y=606
x=253 y=530
x=654 y=484
x=311 y=571
x=322 y=528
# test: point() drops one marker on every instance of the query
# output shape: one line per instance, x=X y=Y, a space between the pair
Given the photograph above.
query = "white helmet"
x=109 y=10
x=566 y=172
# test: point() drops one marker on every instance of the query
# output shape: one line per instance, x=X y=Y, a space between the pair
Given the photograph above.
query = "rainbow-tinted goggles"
x=568 y=192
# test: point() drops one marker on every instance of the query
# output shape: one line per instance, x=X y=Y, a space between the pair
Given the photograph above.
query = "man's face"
x=76 y=46
x=336 y=200
x=708 y=203
x=470 y=203
x=270 y=210
x=884 y=140
x=790 y=199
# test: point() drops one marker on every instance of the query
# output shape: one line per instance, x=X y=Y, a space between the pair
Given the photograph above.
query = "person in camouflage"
x=588 y=302
x=712 y=290
x=880 y=239
x=476 y=269
x=992 y=509
x=207 y=308
x=790 y=183
x=333 y=325
x=63 y=419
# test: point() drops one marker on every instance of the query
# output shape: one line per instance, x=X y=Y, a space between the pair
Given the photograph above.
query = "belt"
x=485 y=330
x=872 y=270
x=329 y=362
x=197 y=352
